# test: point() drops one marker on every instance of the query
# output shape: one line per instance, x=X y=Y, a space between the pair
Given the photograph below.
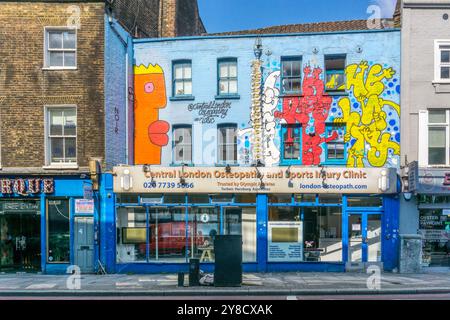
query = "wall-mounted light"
x=126 y=181
x=383 y=181
x=228 y=168
x=359 y=49
x=315 y=50
x=257 y=48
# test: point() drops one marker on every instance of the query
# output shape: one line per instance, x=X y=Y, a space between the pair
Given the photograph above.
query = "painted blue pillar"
x=345 y=244
x=43 y=233
x=261 y=225
x=390 y=235
x=107 y=224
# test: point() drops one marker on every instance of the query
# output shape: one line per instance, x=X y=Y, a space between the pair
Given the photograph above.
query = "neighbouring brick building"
x=53 y=61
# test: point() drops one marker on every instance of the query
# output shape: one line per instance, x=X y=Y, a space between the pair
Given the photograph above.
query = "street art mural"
x=369 y=135
x=150 y=132
x=311 y=111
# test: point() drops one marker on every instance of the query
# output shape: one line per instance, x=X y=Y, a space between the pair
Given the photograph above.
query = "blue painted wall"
x=376 y=53
x=117 y=44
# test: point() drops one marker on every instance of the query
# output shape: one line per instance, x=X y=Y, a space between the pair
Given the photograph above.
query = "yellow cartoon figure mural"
x=366 y=128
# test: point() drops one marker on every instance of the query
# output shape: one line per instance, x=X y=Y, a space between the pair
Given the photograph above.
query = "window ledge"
x=59 y=68
x=227 y=164
x=182 y=98
x=440 y=82
x=225 y=97
x=181 y=164
x=61 y=167
x=337 y=93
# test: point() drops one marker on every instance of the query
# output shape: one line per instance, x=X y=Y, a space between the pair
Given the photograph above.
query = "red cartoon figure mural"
x=150 y=132
x=311 y=111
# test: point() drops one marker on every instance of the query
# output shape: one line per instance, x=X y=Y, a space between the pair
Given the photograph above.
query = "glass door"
x=364 y=243
x=355 y=241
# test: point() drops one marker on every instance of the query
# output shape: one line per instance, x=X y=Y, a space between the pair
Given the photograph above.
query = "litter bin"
x=228 y=261
x=194 y=272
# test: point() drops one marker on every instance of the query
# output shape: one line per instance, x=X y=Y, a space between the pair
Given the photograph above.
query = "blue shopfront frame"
x=389 y=221
x=65 y=187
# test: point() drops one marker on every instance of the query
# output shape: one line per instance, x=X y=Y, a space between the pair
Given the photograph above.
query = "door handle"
x=85 y=247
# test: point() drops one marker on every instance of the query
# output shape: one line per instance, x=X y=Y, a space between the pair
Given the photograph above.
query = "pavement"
x=254 y=284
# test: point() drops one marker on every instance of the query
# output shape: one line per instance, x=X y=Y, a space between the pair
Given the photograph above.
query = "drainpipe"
x=125 y=44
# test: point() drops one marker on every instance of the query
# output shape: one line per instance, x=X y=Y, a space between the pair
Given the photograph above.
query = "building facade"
x=291 y=141
x=54 y=110
x=425 y=206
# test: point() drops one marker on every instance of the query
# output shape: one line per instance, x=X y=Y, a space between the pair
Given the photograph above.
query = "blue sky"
x=232 y=15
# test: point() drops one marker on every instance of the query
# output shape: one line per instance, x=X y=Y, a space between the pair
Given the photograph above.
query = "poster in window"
x=285 y=241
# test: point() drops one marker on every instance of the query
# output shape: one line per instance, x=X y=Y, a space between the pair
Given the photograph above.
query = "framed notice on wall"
x=285 y=243
x=84 y=206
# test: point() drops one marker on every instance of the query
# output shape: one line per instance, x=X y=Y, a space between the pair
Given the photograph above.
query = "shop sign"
x=20 y=206
x=26 y=186
x=285 y=241
x=84 y=206
x=430 y=180
x=87 y=192
x=133 y=179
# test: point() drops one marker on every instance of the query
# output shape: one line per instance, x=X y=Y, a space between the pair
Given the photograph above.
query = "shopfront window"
x=131 y=235
x=364 y=201
x=435 y=229
x=323 y=234
x=167 y=228
x=20 y=227
x=203 y=227
x=58 y=230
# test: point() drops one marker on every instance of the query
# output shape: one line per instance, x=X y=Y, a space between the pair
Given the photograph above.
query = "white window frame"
x=225 y=145
x=424 y=126
x=437 y=61
x=182 y=145
x=48 y=157
x=46 y=49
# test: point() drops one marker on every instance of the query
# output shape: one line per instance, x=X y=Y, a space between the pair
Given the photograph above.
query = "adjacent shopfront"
x=432 y=189
x=45 y=223
x=294 y=218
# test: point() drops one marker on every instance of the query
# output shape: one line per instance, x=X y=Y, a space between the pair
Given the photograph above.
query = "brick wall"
x=159 y=18
x=25 y=88
x=188 y=21
x=139 y=17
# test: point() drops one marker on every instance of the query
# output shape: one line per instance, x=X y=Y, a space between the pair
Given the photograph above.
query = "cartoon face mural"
x=366 y=131
x=150 y=132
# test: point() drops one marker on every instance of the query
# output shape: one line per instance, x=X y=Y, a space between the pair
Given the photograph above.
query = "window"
x=434 y=227
x=291 y=143
x=228 y=83
x=335 y=75
x=62 y=135
x=60 y=48
x=227 y=143
x=438 y=137
x=335 y=151
x=322 y=234
x=442 y=60
x=131 y=235
x=291 y=76
x=182 y=144
x=182 y=78
x=58 y=230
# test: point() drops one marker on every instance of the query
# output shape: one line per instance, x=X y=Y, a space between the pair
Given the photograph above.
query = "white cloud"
x=387 y=7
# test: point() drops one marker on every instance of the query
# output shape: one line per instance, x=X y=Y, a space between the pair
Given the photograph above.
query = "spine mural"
x=150 y=132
